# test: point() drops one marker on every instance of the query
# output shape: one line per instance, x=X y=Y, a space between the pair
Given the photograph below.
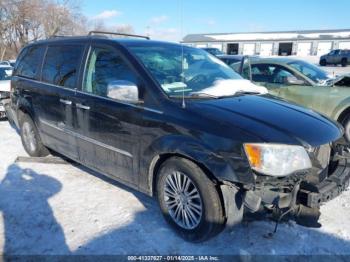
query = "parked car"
x=336 y=57
x=174 y=122
x=303 y=83
x=5 y=85
x=213 y=51
x=8 y=63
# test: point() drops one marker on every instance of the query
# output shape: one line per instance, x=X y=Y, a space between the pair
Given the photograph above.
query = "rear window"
x=29 y=62
x=61 y=65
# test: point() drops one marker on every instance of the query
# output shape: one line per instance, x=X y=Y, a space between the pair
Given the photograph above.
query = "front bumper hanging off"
x=300 y=198
x=329 y=188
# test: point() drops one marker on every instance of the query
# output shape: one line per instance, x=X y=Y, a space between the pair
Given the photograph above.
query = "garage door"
x=201 y=45
x=304 y=49
x=344 y=45
x=324 y=48
x=249 y=49
x=266 y=49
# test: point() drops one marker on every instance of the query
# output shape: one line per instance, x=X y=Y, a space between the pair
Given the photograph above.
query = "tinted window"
x=29 y=62
x=104 y=66
x=234 y=63
x=61 y=65
x=269 y=73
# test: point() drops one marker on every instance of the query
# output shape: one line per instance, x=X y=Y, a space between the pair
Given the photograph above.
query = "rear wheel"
x=323 y=62
x=189 y=200
x=30 y=138
x=344 y=62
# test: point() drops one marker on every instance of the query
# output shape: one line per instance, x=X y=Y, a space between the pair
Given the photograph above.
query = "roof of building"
x=273 y=35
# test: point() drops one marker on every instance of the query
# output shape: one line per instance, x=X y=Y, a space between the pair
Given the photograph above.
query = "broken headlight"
x=276 y=159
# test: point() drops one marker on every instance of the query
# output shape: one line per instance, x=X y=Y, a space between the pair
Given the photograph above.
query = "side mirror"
x=291 y=80
x=123 y=90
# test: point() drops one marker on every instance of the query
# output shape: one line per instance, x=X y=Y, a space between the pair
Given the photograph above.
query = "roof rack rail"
x=120 y=34
x=57 y=36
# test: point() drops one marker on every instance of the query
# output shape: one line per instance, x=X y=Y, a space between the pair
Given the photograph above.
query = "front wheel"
x=323 y=62
x=346 y=125
x=189 y=200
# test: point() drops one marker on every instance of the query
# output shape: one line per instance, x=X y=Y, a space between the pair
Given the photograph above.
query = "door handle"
x=66 y=102
x=82 y=106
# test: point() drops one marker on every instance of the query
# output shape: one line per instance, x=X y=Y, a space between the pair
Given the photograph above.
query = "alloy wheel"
x=183 y=200
x=29 y=136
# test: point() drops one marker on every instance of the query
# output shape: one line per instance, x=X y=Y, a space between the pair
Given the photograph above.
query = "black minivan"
x=175 y=122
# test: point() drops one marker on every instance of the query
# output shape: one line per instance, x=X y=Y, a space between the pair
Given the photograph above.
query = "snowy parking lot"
x=67 y=209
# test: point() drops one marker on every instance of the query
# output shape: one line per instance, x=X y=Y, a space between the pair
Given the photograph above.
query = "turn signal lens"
x=254 y=155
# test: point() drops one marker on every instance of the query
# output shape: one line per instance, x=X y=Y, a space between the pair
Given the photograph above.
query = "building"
x=300 y=43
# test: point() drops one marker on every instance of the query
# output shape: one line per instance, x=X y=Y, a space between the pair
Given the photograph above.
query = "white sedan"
x=5 y=86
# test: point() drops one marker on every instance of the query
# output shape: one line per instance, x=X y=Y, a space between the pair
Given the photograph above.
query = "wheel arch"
x=24 y=107
x=158 y=160
x=343 y=114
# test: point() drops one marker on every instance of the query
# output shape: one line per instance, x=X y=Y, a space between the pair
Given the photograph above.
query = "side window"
x=262 y=73
x=61 y=65
x=28 y=64
x=105 y=66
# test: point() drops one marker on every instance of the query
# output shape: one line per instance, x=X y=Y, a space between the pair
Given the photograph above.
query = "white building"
x=301 y=43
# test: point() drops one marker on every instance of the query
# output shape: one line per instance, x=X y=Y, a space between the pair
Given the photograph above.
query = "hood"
x=271 y=119
x=341 y=80
x=5 y=85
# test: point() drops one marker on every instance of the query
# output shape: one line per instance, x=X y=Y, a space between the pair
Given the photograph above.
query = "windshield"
x=311 y=71
x=5 y=73
x=198 y=71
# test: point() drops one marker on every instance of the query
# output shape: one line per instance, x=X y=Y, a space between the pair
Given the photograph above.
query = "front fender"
x=341 y=107
x=222 y=168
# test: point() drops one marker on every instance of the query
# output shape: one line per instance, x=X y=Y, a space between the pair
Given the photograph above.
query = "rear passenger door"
x=57 y=91
x=108 y=128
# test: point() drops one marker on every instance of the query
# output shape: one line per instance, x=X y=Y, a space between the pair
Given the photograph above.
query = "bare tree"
x=23 y=21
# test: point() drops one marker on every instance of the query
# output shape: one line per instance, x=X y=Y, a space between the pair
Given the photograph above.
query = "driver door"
x=108 y=128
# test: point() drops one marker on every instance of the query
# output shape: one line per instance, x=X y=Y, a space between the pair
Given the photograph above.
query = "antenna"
x=182 y=54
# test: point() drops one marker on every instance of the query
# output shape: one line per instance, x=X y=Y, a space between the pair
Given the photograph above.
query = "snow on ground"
x=67 y=209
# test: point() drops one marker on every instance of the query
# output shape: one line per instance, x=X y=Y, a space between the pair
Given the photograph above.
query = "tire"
x=344 y=62
x=31 y=139
x=323 y=62
x=346 y=125
x=201 y=225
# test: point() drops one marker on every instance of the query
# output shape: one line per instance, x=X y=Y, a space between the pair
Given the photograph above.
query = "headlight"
x=277 y=160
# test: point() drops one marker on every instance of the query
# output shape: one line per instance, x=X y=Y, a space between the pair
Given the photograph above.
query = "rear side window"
x=61 y=65
x=29 y=62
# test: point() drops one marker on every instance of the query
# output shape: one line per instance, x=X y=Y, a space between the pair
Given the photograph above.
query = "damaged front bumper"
x=298 y=195
x=329 y=188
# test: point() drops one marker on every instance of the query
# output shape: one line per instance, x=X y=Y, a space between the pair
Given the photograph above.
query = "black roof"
x=124 y=41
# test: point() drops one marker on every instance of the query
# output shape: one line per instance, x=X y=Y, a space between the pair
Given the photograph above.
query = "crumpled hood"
x=5 y=85
x=272 y=120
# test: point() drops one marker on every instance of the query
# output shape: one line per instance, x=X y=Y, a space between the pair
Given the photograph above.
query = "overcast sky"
x=162 y=18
